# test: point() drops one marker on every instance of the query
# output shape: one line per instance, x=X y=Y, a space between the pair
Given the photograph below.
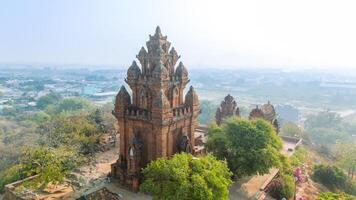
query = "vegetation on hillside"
x=345 y=154
x=326 y=129
x=334 y=178
x=63 y=134
x=283 y=187
x=292 y=130
x=335 y=196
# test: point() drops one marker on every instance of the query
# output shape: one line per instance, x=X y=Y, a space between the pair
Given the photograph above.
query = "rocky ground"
x=87 y=179
x=95 y=174
x=309 y=189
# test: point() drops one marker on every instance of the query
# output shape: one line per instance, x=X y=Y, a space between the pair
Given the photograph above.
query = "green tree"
x=330 y=176
x=97 y=118
x=77 y=131
x=325 y=119
x=41 y=117
x=345 y=153
x=11 y=174
x=327 y=136
x=208 y=111
x=184 y=177
x=70 y=104
x=50 y=98
x=50 y=165
x=292 y=130
x=250 y=147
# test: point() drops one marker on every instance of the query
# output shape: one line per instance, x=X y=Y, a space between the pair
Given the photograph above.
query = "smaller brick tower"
x=228 y=108
x=266 y=112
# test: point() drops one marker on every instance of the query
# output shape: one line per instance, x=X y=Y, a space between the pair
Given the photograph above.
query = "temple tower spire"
x=154 y=118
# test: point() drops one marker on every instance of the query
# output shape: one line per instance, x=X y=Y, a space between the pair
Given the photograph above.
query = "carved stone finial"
x=191 y=98
x=134 y=71
x=123 y=99
x=181 y=70
x=174 y=56
x=173 y=51
x=158 y=31
x=142 y=52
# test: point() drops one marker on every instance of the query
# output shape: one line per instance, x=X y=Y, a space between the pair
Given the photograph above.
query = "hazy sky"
x=266 y=33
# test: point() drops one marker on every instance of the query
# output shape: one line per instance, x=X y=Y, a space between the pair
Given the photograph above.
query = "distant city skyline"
x=303 y=34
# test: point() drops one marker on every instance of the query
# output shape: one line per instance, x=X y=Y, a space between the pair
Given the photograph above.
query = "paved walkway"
x=249 y=187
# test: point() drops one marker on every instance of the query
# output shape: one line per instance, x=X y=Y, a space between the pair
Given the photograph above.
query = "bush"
x=70 y=104
x=283 y=187
x=330 y=176
x=77 y=131
x=184 y=177
x=298 y=157
x=48 y=99
x=10 y=175
x=335 y=196
x=50 y=164
x=292 y=130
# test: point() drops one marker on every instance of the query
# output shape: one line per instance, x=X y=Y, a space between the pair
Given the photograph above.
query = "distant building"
x=156 y=120
x=228 y=108
x=267 y=112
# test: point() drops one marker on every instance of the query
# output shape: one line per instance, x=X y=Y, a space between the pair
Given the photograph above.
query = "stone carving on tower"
x=155 y=119
x=267 y=112
x=228 y=108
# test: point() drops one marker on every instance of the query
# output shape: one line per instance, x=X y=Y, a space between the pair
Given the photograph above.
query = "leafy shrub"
x=334 y=178
x=283 y=187
x=250 y=147
x=70 y=104
x=298 y=157
x=10 y=175
x=184 y=177
x=335 y=196
x=48 y=99
x=50 y=164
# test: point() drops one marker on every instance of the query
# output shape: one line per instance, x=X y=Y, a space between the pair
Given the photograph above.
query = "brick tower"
x=154 y=119
x=228 y=108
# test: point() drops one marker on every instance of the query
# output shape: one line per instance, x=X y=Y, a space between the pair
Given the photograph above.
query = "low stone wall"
x=13 y=191
x=10 y=189
x=295 y=140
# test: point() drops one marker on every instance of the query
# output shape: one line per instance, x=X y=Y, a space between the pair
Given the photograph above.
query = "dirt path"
x=310 y=189
x=93 y=177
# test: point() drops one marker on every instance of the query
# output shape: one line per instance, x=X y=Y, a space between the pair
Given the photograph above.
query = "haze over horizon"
x=234 y=34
